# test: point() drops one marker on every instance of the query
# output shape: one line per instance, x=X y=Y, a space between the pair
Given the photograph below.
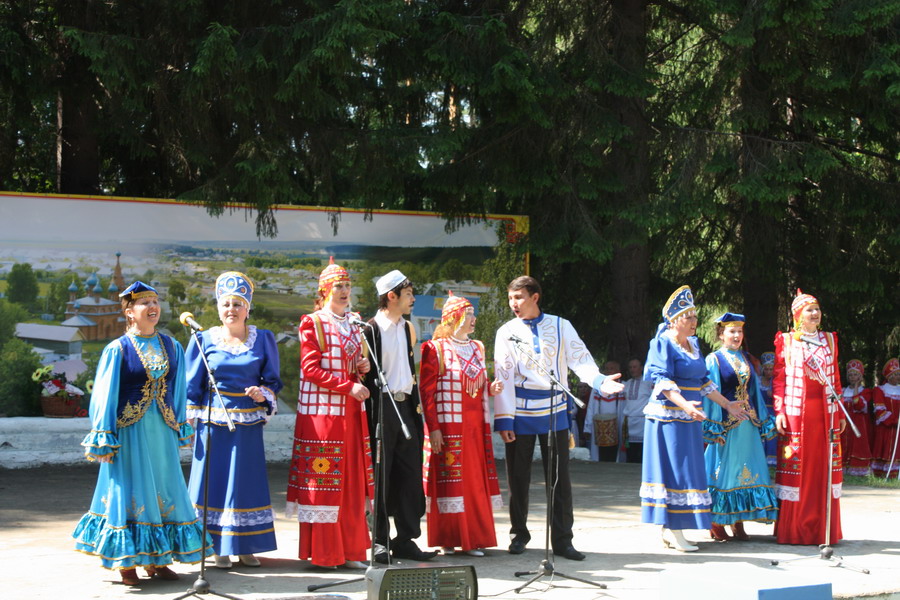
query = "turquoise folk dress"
x=240 y=516
x=736 y=466
x=673 y=479
x=141 y=514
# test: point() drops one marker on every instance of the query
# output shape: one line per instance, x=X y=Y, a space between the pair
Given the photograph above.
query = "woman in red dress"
x=886 y=453
x=460 y=476
x=857 y=451
x=331 y=468
x=806 y=377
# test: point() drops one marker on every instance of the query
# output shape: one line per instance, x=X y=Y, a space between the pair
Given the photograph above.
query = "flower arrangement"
x=55 y=384
x=59 y=398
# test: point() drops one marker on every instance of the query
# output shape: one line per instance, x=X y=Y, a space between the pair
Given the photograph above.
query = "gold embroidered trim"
x=153 y=390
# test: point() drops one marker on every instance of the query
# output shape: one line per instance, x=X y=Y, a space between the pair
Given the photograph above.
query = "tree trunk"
x=630 y=325
x=758 y=231
x=77 y=142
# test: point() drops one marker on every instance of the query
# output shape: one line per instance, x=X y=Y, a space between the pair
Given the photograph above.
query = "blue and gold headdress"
x=731 y=320
x=680 y=302
x=137 y=290
x=232 y=283
x=767 y=358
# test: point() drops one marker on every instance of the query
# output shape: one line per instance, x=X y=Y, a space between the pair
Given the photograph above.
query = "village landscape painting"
x=63 y=261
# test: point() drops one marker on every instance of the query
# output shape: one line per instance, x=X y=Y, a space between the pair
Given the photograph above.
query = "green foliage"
x=493 y=308
x=744 y=148
x=19 y=395
x=22 y=285
x=10 y=314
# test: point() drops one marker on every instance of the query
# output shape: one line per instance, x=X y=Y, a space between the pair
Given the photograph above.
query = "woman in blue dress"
x=673 y=492
x=736 y=467
x=766 y=372
x=141 y=515
x=245 y=361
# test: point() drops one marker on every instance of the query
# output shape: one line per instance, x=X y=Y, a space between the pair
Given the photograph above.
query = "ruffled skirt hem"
x=140 y=544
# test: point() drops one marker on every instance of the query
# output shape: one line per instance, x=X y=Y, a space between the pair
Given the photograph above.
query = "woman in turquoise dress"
x=245 y=361
x=141 y=515
x=674 y=491
x=736 y=467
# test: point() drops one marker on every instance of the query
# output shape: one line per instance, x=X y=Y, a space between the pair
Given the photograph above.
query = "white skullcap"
x=388 y=282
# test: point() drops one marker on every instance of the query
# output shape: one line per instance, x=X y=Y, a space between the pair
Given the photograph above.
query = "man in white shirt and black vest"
x=391 y=338
x=530 y=406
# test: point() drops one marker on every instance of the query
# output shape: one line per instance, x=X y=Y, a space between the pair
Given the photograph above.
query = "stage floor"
x=39 y=508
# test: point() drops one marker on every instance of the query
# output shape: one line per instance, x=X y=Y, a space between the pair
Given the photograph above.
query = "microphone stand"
x=826 y=552
x=546 y=567
x=379 y=467
x=201 y=584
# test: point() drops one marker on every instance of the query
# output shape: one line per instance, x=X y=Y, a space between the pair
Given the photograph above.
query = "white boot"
x=674 y=538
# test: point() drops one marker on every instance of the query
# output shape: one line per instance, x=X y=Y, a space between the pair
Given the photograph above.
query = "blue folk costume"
x=736 y=467
x=771 y=445
x=673 y=476
x=240 y=516
x=141 y=514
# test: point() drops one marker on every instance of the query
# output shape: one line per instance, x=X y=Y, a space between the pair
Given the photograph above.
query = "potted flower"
x=59 y=398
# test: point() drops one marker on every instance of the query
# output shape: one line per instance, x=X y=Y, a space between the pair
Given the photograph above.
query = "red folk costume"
x=331 y=469
x=857 y=451
x=804 y=363
x=461 y=481
x=886 y=450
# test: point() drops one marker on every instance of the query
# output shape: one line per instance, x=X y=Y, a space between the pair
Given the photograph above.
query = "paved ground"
x=39 y=508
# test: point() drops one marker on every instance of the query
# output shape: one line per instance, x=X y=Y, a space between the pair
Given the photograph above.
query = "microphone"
x=515 y=339
x=187 y=319
x=357 y=321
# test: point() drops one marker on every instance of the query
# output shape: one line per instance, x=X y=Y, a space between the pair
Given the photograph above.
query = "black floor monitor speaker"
x=438 y=582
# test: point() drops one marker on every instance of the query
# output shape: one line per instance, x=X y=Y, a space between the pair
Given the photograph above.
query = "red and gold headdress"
x=454 y=311
x=855 y=365
x=331 y=275
x=800 y=302
x=891 y=367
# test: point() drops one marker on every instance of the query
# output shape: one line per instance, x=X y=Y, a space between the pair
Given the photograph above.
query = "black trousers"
x=518 y=472
x=607 y=453
x=401 y=479
x=635 y=452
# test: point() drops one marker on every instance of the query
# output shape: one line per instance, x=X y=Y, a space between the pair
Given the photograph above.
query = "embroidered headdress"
x=232 y=283
x=891 y=367
x=800 y=302
x=137 y=290
x=680 y=302
x=331 y=275
x=454 y=311
x=767 y=358
x=855 y=365
x=731 y=320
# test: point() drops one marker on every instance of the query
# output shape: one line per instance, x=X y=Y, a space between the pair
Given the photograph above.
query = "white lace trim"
x=658 y=411
x=217 y=337
x=676 y=498
x=244 y=416
x=663 y=386
x=312 y=514
x=271 y=400
x=787 y=492
x=454 y=504
x=792 y=494
x=231 y=518
x=708 y=388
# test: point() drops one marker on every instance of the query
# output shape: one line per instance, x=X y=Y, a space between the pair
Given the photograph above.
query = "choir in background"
x=707 y=430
